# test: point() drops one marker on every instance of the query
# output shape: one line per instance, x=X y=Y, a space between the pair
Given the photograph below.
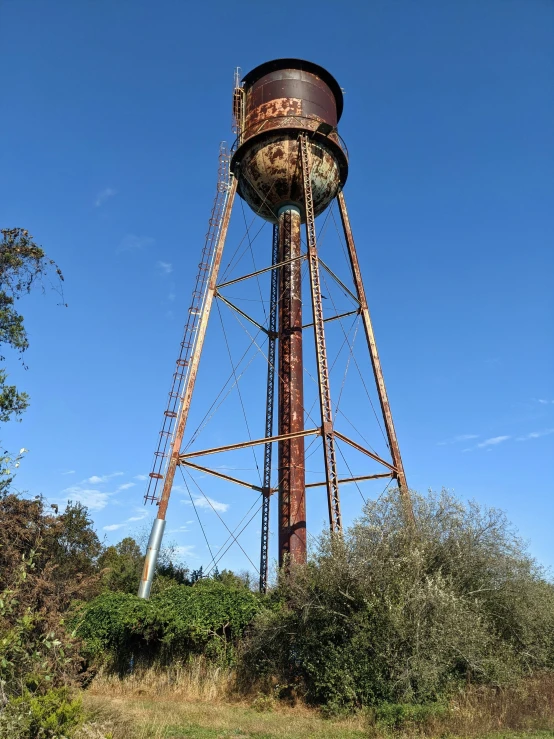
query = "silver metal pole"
x=151 y=559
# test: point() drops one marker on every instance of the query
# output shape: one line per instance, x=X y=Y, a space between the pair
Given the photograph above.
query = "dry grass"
x=201 y=702
x=526 y=707
x=198 y=680
x=164 y=718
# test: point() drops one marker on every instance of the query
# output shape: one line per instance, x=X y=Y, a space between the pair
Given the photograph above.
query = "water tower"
x=288 y=164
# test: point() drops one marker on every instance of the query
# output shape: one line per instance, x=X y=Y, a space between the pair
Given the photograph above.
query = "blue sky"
x=112 y=118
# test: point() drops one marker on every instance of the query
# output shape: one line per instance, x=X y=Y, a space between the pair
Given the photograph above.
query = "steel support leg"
x=268 y=447
x=150 y=562
x=292 y=490
x=375 y=361
x=331 y=475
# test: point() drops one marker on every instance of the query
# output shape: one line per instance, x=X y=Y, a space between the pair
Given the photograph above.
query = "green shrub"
x=54 y=715
x=401 y=614
x=206 y=618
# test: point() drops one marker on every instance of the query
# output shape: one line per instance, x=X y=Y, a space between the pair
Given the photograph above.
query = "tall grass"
x=154 y=700
x=198 y=679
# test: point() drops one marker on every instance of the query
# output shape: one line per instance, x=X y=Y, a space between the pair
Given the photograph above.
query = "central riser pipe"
x=292 y=482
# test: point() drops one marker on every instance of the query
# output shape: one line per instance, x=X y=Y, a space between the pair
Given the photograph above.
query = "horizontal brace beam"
x=335 y=318
x=242 y=313
x=350 y=479
x=339 y=281
x=220 y=474
x=261 y=271
x=365 y=451
x=245 y=444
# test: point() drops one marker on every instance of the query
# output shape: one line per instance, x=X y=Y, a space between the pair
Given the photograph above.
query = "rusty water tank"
x=280 y=100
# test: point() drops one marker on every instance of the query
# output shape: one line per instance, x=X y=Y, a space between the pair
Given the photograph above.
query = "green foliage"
x=206 y=618
x=54 y=715
x=401 y=614
x=121 y=566
x=46 y=562
x=22 y=264
x=27 y=655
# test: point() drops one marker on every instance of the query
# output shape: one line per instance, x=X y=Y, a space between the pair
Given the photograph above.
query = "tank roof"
x=272 y=66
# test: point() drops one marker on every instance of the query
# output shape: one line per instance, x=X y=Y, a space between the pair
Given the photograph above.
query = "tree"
x=121 y=566
x=23 y=264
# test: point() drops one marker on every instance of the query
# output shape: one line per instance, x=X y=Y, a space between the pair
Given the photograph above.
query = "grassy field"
x=149 y=718
x=199 y=701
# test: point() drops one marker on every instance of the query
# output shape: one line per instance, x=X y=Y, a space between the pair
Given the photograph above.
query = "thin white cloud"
x=131 y=242
x=103 y=195
x=113 y=526
x=165 y=268
x=142 y=513
x=205 y=503
x=126 y=486
x=493 y=441
x=69 y=472
x=456 y=439
x=140 y=477
x=94 y=500
x=101 y=479
x=535 y=435
x=185 y=551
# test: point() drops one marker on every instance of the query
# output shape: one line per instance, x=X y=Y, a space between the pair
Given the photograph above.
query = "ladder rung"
x=156 y=476
x=170 y=414
x=182 y=362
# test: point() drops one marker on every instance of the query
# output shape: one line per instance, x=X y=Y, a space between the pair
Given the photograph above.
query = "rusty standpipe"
x=292 y=483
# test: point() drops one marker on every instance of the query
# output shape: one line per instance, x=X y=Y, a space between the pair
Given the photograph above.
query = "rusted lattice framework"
x=288 y=164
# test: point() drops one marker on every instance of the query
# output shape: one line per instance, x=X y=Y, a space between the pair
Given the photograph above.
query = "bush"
x=401 y=614
x=206 y=618
x=54 y=715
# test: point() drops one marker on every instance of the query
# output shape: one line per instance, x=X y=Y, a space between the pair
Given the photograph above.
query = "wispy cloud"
x=457 y=439
x=142 y=513
x=165 y=268
x=103 y=195
x=113 y=526
x=100 y=479
x=493 y=441
x=126 y=486
x=205 y=503
x=535 y=435
x=69 y=472
x=94 y=500
x=185 y=551
x=543 y=401
x=140 y=477
x=131 y=242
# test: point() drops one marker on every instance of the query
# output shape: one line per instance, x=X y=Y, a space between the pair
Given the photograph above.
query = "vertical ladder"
x=238 y=109
x=161 y=455
x=327 y=433
x=270 y=402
